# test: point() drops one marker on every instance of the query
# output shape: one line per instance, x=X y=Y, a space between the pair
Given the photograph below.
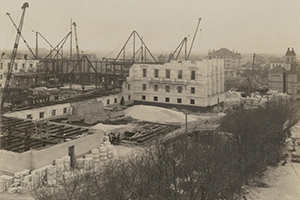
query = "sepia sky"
x=248 y=26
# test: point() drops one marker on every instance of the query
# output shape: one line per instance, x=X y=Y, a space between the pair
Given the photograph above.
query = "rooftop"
x=290 y=52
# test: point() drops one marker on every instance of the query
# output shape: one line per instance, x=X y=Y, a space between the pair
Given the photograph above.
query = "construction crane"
x=179 y=47
x=13 y=56
x=76 y=39
x=193 y=39
x=78 y=52
x=21 y=36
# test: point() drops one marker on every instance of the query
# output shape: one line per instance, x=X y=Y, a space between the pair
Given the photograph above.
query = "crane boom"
x=193 y=39
x=21 y=35
x=78 y=55
x=76 y=39
x=13 y=56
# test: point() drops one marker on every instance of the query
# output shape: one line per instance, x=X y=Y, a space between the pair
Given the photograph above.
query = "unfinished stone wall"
x=60 y=110
x=53 y=174
x=13 y=162
x=172 y=83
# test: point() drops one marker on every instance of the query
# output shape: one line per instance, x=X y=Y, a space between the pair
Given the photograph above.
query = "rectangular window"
x=16 y=66
x=167 y=99
x=18 y=81
x=180 y=74
x=192 y=101
x=107 y=101
x=116 y=100
x=129 y=97
x=1 y=65
x=128 y=86
x=53 y=113
x=0 y=85
x=29 y=116
x=42 y=115
x=168 y=73
x=56 y=98
x=65 y=110
x=23 y=65
x=8 y=65
x=31 y=65
x=178 y=100
x=155 y=98
x=167 y=88
x=144 y=72
x=192 y=90
x=144 y=86
x=1 y=77
x=143 y=97
x=156 y=73
x=25 y=81
x=155 y=88
x=179 y=89
x=193 y=75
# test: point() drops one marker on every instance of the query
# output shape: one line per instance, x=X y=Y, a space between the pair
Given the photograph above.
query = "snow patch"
x=157 y=114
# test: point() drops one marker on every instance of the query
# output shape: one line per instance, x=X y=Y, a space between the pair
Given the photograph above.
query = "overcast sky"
x=248 y=26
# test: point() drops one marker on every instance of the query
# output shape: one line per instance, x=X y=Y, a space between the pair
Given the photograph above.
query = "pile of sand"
x=157 y=114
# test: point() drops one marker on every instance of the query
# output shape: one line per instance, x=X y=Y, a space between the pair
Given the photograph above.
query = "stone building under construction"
x=194 y=84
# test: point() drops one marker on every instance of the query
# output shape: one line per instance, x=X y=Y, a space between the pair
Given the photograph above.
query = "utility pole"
x=36 y=44
x=71 y=40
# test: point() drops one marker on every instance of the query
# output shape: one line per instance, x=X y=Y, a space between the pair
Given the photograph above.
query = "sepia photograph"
x=149 y=100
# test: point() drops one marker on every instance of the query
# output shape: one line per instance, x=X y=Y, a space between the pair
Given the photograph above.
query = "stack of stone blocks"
x=51 y=175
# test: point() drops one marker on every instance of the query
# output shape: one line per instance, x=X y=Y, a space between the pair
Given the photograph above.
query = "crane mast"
x=13 y=56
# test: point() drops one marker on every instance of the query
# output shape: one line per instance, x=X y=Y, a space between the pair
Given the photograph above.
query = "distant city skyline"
x=269 y=26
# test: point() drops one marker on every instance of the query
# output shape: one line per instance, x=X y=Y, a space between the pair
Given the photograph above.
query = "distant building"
x=286 y=61
x=177 y=83
x=232 y=60
x=21 y=67
x=286 y=80
x=162 y=59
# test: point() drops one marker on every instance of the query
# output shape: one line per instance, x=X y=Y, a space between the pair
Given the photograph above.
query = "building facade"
x=21 y=68
x=177 y=83
x=232 y=59
x=286 y=80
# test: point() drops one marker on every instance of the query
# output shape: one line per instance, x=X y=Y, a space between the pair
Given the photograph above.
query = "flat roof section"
x=20 y=135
